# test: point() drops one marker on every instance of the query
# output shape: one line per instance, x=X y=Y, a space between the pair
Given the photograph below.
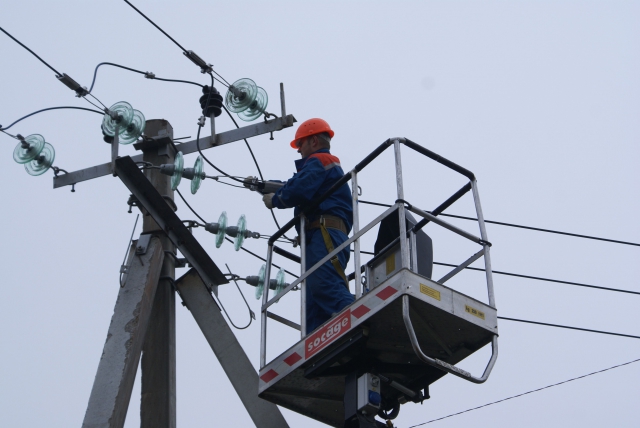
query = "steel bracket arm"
x=187 y=147
x=170 y=223
x=439 y=364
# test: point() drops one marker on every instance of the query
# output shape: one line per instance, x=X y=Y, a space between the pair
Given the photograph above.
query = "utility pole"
x=142 y=327
x=158 y=402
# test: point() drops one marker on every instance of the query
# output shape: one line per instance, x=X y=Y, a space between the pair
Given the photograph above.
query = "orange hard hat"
x=311 y=127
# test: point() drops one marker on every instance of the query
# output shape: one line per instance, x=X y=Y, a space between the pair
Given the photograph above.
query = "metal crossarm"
x=170 y=223
x=186 y=148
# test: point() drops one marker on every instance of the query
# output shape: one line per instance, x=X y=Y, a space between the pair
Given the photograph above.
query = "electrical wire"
x=537 y=229
x=545 y=230
x=229 y=240
x=32 y=52
x=50 y=108
x=225 y=80
x=247 y=143
x=146 y=74
x=263 y=259
x=528 y=392
x=255 y=161
x=154 y=24
x=10 y=135
x=93 y=104
x=619 y=290
x=58 y=74
x=232 y=185
x=189 y=206
x=101 y=103
x=252 y=314
x=542 y=279
x=569 y=327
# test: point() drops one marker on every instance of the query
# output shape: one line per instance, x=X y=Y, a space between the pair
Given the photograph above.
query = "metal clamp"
x=143 y=243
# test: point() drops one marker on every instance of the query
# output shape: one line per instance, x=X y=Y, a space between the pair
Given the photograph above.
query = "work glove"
x=268 y=200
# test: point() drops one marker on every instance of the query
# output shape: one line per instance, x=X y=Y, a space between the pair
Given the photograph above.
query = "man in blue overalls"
x=327 y=227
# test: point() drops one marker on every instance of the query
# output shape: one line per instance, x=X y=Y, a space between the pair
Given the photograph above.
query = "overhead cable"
x=619 y=290
x=252 y=315
x=255 y=161
x=155 y=25
x=537 y=278
x=32 y=52
x=546 y=230
x=193 y=57
x=525 y=393
x=50 y=108
x=189 y=206
x=262 y=258
x=571 y=328
x=149 y=75
x=521 y=227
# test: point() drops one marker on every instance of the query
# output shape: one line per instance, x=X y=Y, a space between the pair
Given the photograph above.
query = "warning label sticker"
x=473 y=311
x=424 y=289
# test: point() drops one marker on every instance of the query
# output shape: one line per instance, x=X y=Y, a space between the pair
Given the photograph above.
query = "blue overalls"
x=327 y=292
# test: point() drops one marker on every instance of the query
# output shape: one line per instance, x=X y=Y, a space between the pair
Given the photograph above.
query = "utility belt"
x=330 y=222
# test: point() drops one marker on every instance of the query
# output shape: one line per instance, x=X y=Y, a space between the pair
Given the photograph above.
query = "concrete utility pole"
x=158 y=403
x=144 y=317
x=143 y=321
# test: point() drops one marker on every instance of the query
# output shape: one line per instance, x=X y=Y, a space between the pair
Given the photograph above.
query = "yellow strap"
x=334 y=261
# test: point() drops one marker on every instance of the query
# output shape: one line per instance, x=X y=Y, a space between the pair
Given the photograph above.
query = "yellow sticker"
x=474 y=311
x=391 y=263
x=429 y=291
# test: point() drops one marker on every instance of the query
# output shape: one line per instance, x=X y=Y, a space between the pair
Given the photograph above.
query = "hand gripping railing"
x=401 y=205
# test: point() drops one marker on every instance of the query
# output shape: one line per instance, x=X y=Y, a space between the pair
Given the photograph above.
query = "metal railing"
x=408 y=257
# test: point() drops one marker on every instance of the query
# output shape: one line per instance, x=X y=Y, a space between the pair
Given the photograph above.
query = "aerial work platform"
x=403 y=332
x=383 y=332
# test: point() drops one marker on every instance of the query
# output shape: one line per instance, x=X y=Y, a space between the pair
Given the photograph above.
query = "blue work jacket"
x=315 y=175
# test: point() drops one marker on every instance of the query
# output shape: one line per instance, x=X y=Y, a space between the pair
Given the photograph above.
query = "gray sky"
x=539 y=99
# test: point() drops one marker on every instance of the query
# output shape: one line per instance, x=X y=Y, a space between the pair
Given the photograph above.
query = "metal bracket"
x=143 y=243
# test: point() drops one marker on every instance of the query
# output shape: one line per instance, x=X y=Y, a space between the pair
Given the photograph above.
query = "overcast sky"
x=541 y=100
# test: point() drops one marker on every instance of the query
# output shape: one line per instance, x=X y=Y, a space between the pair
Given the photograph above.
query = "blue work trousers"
x=327 y=293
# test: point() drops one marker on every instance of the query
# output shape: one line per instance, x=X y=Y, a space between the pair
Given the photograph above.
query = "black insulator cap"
x=106 y=138
x=215 y=102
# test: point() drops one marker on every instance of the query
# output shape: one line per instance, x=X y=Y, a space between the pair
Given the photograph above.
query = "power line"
x=571 y=328
x=522 y=227
x=155 y=25
x=32 y=52
x=51 y=108
x=537 y=278
x=189 y=54
x=262 y=258
x=546 y=230
x=273 y=215
x=525 y=393
x=209 y=162
x=146 y=74
x=189 y=206
x=619 y=290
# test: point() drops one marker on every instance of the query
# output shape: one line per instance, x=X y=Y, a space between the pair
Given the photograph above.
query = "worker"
x=326 y=227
